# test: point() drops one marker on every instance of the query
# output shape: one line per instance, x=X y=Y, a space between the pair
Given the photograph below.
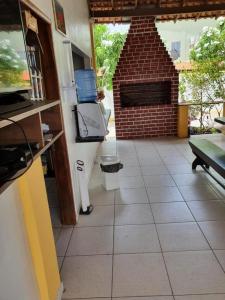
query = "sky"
x=122 y=28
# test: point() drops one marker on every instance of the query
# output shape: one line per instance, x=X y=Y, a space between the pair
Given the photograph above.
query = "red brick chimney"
x=145 y=60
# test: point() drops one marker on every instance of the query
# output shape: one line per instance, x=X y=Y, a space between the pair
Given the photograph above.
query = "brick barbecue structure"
x=145 y=85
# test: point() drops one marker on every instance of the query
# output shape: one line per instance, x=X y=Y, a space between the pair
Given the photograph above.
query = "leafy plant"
x=205 y=84
x=108 y=47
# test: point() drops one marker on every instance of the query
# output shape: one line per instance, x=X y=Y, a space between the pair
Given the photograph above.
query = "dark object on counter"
x=12 y=160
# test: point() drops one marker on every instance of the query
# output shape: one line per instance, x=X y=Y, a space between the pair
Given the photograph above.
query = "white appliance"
x=91 y=121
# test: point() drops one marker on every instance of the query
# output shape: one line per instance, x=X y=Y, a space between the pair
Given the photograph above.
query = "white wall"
x=17 y=279
x=78 y=32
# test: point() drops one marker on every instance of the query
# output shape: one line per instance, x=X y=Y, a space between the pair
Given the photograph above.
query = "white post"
x=86 y=208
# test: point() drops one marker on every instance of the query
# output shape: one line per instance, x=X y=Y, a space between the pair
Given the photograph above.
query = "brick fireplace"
x=145 y=85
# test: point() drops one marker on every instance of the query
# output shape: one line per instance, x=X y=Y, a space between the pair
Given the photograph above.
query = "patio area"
x=161 y=236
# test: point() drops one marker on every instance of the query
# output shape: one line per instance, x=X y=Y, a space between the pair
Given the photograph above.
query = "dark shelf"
x=28 y=111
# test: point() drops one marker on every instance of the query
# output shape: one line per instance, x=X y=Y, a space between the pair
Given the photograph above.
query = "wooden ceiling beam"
x=157 y=11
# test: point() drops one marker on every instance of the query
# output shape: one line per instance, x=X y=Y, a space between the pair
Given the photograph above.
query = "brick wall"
x=144 y=58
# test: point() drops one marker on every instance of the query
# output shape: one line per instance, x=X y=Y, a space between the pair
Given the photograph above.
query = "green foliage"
x=206 y=82
x=11 y=65
x=108 y=47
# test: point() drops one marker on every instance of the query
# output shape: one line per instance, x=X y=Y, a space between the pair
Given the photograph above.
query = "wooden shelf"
x=56 y=135
x=47 y=112
x=36 y=154
x=28 y=111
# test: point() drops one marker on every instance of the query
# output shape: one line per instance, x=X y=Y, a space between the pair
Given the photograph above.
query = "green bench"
x=208 y=155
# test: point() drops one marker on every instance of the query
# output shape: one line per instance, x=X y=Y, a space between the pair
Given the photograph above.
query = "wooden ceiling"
x=108 y=11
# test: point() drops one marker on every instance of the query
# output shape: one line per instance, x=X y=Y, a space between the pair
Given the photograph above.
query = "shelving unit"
x=48 y=112
x=31 y=120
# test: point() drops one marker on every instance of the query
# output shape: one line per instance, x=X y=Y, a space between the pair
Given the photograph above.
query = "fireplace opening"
x=145 y=94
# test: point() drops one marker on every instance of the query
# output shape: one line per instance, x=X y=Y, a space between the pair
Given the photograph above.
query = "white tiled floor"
x=160 y=237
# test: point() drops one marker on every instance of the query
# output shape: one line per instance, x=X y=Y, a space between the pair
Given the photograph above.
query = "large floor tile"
x=99 y=196
x=174 y=158
x=130 y=171
x=194 y=272
x=198 y=192
x=143 y=143
x=221 y=257
x=215 y=233
x=101 y=216
x=91 y=240
x=133 y=214
x=147 y=153
x=158 y=181
x=87 y=276
x=129 y=160
x=181 y=236
x=140 y=275
x=131 y=196
x=207 y=210
x=150 y=161
x=171 y=212
x=164 y=194
x=189 y=179
x=63 y=240
x=175 y=169
x=129 y=182
x=201 y=297
x=154 y=170
x=136 y=239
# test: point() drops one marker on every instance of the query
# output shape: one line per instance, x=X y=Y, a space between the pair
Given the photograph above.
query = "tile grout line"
x=163 y=223
x=146 y=252
x=64 y=257
x=157 y=230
